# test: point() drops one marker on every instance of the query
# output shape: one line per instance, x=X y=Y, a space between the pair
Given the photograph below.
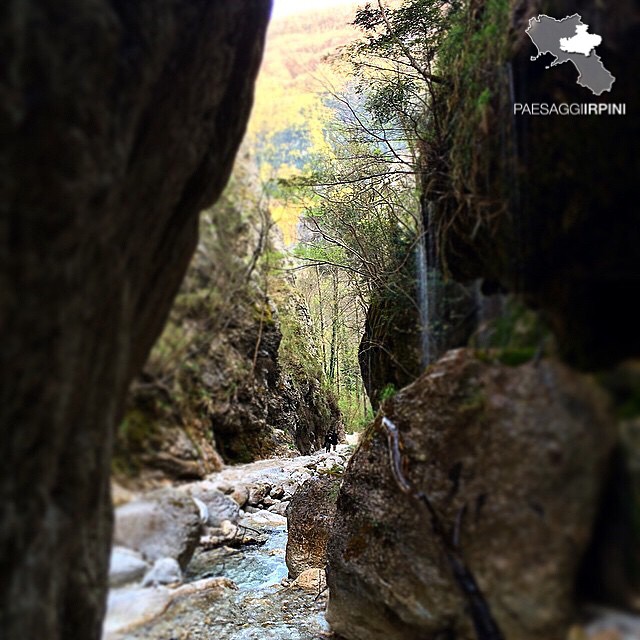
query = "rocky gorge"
x=160 y=424
x=235 y=375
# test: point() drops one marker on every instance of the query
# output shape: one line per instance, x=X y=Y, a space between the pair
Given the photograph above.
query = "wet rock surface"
x=511 y=460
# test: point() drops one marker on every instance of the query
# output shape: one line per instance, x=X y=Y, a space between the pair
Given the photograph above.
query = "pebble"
x=164 y=571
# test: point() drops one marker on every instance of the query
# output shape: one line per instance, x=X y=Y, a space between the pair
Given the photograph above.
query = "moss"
x=136 y=428
x=294 y=352
x=510 y=357
x=123 y=467
x=475 y=402
x=334 y=491
x=474 y=57
x=262 y=313
x=388 y=392
x=135 y=436
x=198 y=303
x=630 y=408
x=516 y=357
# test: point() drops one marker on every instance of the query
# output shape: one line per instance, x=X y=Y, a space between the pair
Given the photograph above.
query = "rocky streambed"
x=207 y=559
x=240 y=556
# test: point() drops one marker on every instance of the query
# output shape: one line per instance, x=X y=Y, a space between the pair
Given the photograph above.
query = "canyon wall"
x=120 y=122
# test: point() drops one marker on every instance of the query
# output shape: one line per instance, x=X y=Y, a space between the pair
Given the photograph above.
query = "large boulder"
x=310 y=517
x=165 y=523
x=119 y=122
x=511 y=460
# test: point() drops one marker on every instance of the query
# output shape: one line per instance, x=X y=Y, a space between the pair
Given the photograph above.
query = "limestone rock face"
x=120 y=122
x=279 y=412
x=511 y=458
x=261 y=402
x=165 y=523
x=310 y=517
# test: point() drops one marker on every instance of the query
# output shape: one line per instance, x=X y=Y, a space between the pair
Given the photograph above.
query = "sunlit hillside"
x=290 y=114
x=294 y=69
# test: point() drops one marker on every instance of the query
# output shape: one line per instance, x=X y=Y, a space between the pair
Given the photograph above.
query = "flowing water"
x=252 y=568
x=427 y=274
x=423 y=302
x=264 y=606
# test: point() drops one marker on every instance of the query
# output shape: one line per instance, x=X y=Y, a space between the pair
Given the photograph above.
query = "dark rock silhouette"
x=120 y=122
x=389 y=352
x=567 y=237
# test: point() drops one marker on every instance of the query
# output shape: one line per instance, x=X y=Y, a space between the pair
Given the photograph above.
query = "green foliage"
x=515 y=327
x=395 y=63
x=514 y=357
x=290 y=114
x=296 y=353
x=474 y=54
x=336 y=472
x=136 y=434
x=335 y=489
x=516 y=336
x=474 y=403
x=322 y=252
x=356 y=411
x=388 y=392
x=136 y=428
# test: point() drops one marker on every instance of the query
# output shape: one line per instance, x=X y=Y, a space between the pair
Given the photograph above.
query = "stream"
x=234 y=591
x=238 y=588
x=264 y=605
